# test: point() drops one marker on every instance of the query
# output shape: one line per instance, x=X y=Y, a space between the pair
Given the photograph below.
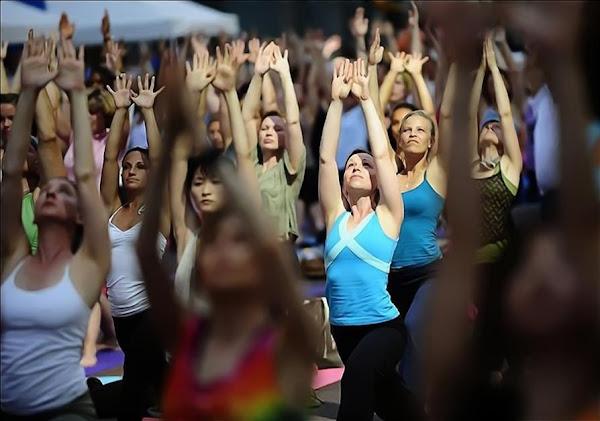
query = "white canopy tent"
x=130 y=20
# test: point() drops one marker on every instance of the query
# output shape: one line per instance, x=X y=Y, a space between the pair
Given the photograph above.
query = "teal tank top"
x=418 y=245
x=357 y=264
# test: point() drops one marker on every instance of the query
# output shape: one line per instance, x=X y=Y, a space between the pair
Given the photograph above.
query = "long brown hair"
x=279 y=281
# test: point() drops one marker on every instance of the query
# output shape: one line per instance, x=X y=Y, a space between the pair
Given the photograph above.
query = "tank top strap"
x=110 y=220
x=10 y=279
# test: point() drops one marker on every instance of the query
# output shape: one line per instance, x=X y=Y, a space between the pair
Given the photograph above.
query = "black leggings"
x=144 y=367
x=370 y=383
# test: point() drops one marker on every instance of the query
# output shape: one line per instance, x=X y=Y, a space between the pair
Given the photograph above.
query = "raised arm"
x=225 y=81
x=375 y=57
x=199 y=74
x=4 y=86
x=396 y=68
x=145 y=100
x=416 y=46
x=95 y=246
x=36 y=56
x=166 y=310
x=446 y=116
x=414 y=66
x=474 y=108
x=109 y=183
x=294 y=144
x=511 y=140
x=330 y=191
x=391 y=197
x=48 y=147
x=359 y=27
x=251 y=108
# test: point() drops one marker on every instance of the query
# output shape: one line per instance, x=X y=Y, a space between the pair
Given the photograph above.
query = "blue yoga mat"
x=107 y=359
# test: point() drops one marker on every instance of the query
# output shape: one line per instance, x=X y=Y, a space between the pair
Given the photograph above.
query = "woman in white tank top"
x=145 y=360
x=47 y=297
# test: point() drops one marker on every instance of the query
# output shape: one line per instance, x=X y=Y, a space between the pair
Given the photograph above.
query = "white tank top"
x=42 y=339
x=125 y=287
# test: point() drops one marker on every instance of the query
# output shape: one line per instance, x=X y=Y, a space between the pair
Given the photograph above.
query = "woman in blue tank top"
x=363 y=218
x=423 y=183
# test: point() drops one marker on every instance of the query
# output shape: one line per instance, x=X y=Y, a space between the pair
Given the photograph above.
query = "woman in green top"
x=497 y=162
x=281 y=172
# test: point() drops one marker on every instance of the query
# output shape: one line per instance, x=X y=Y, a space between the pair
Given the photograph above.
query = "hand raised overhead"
x=70 y=67
x=263 y=58
x=376 y=50
x=35 y=72
x=66 y=29
x=413 y=63
x=225 y=77
x=359 y=25
x=360 y=80
x=121 y=94
x=280 y=62
x=342 y=80
x=201 y=73
x=397 y=62
x=146 y=96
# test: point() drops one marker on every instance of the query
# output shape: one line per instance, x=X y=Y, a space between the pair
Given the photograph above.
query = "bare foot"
x=89 y=360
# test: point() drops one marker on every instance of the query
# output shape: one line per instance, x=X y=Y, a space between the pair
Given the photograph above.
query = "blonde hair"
x=421 y=113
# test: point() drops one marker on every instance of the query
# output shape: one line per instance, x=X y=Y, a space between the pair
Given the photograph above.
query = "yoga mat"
x=107 y=359
x=327 y=376
x=109 y=379
x=314 y=290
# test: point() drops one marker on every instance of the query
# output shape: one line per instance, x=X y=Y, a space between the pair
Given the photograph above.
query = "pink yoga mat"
x=327 y=376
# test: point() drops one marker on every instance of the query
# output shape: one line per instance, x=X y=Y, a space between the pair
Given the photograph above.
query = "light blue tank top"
x=357 y=264
x=418 y=245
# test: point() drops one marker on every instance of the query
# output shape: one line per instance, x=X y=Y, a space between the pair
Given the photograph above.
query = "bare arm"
x=177 y=174
x=109 y=183
x=36 y=56
x=95 y=246
x=416 y=46
x=269 y=95
x=145 y=100
x=474 y=109
x=295 y=144
x=396 y=68
x=330 y=191
x=4 y=86
x=15 y=245
x=511 y=140
x=446 y=115
x=391 y=197
x=48 y=147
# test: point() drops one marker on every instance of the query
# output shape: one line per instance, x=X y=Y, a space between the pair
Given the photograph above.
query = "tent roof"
x=130 y=20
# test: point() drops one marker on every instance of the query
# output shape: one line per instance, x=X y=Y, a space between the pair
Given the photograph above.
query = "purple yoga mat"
x=107 y=359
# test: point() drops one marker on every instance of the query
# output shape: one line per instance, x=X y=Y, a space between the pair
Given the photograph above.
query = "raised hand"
x=201 y=73
x=280 y=62
x=359 y=25
x=199 y=43
x=146 y=96
x=70 y=67
x=414 y=63
x=500 y=35
x=121 y=94
x=237 y=54
x=413 y=15
x=490 y=54
x=3 y=50
x=66 y=29
x=397 y=62
x=263 y=60
x=35 y=72
x=113 y=57
x=331 y=45
x=225 y=77
x=105 y=25
x=360 y=80
x=376 y=50
x=342 y=80
x=253 y=48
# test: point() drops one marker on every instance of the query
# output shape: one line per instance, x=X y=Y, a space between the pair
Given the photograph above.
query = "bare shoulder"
x=436 y=176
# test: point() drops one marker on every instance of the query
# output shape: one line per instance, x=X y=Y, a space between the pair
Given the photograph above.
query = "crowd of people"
x=160 y=207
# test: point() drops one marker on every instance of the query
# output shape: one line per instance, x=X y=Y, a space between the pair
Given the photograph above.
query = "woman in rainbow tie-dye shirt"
x=250 y=358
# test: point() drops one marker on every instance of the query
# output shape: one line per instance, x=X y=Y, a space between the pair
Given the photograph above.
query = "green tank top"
x=27 y=217
x=497 y=195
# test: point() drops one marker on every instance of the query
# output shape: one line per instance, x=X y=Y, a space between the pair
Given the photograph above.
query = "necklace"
x=141 y=210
